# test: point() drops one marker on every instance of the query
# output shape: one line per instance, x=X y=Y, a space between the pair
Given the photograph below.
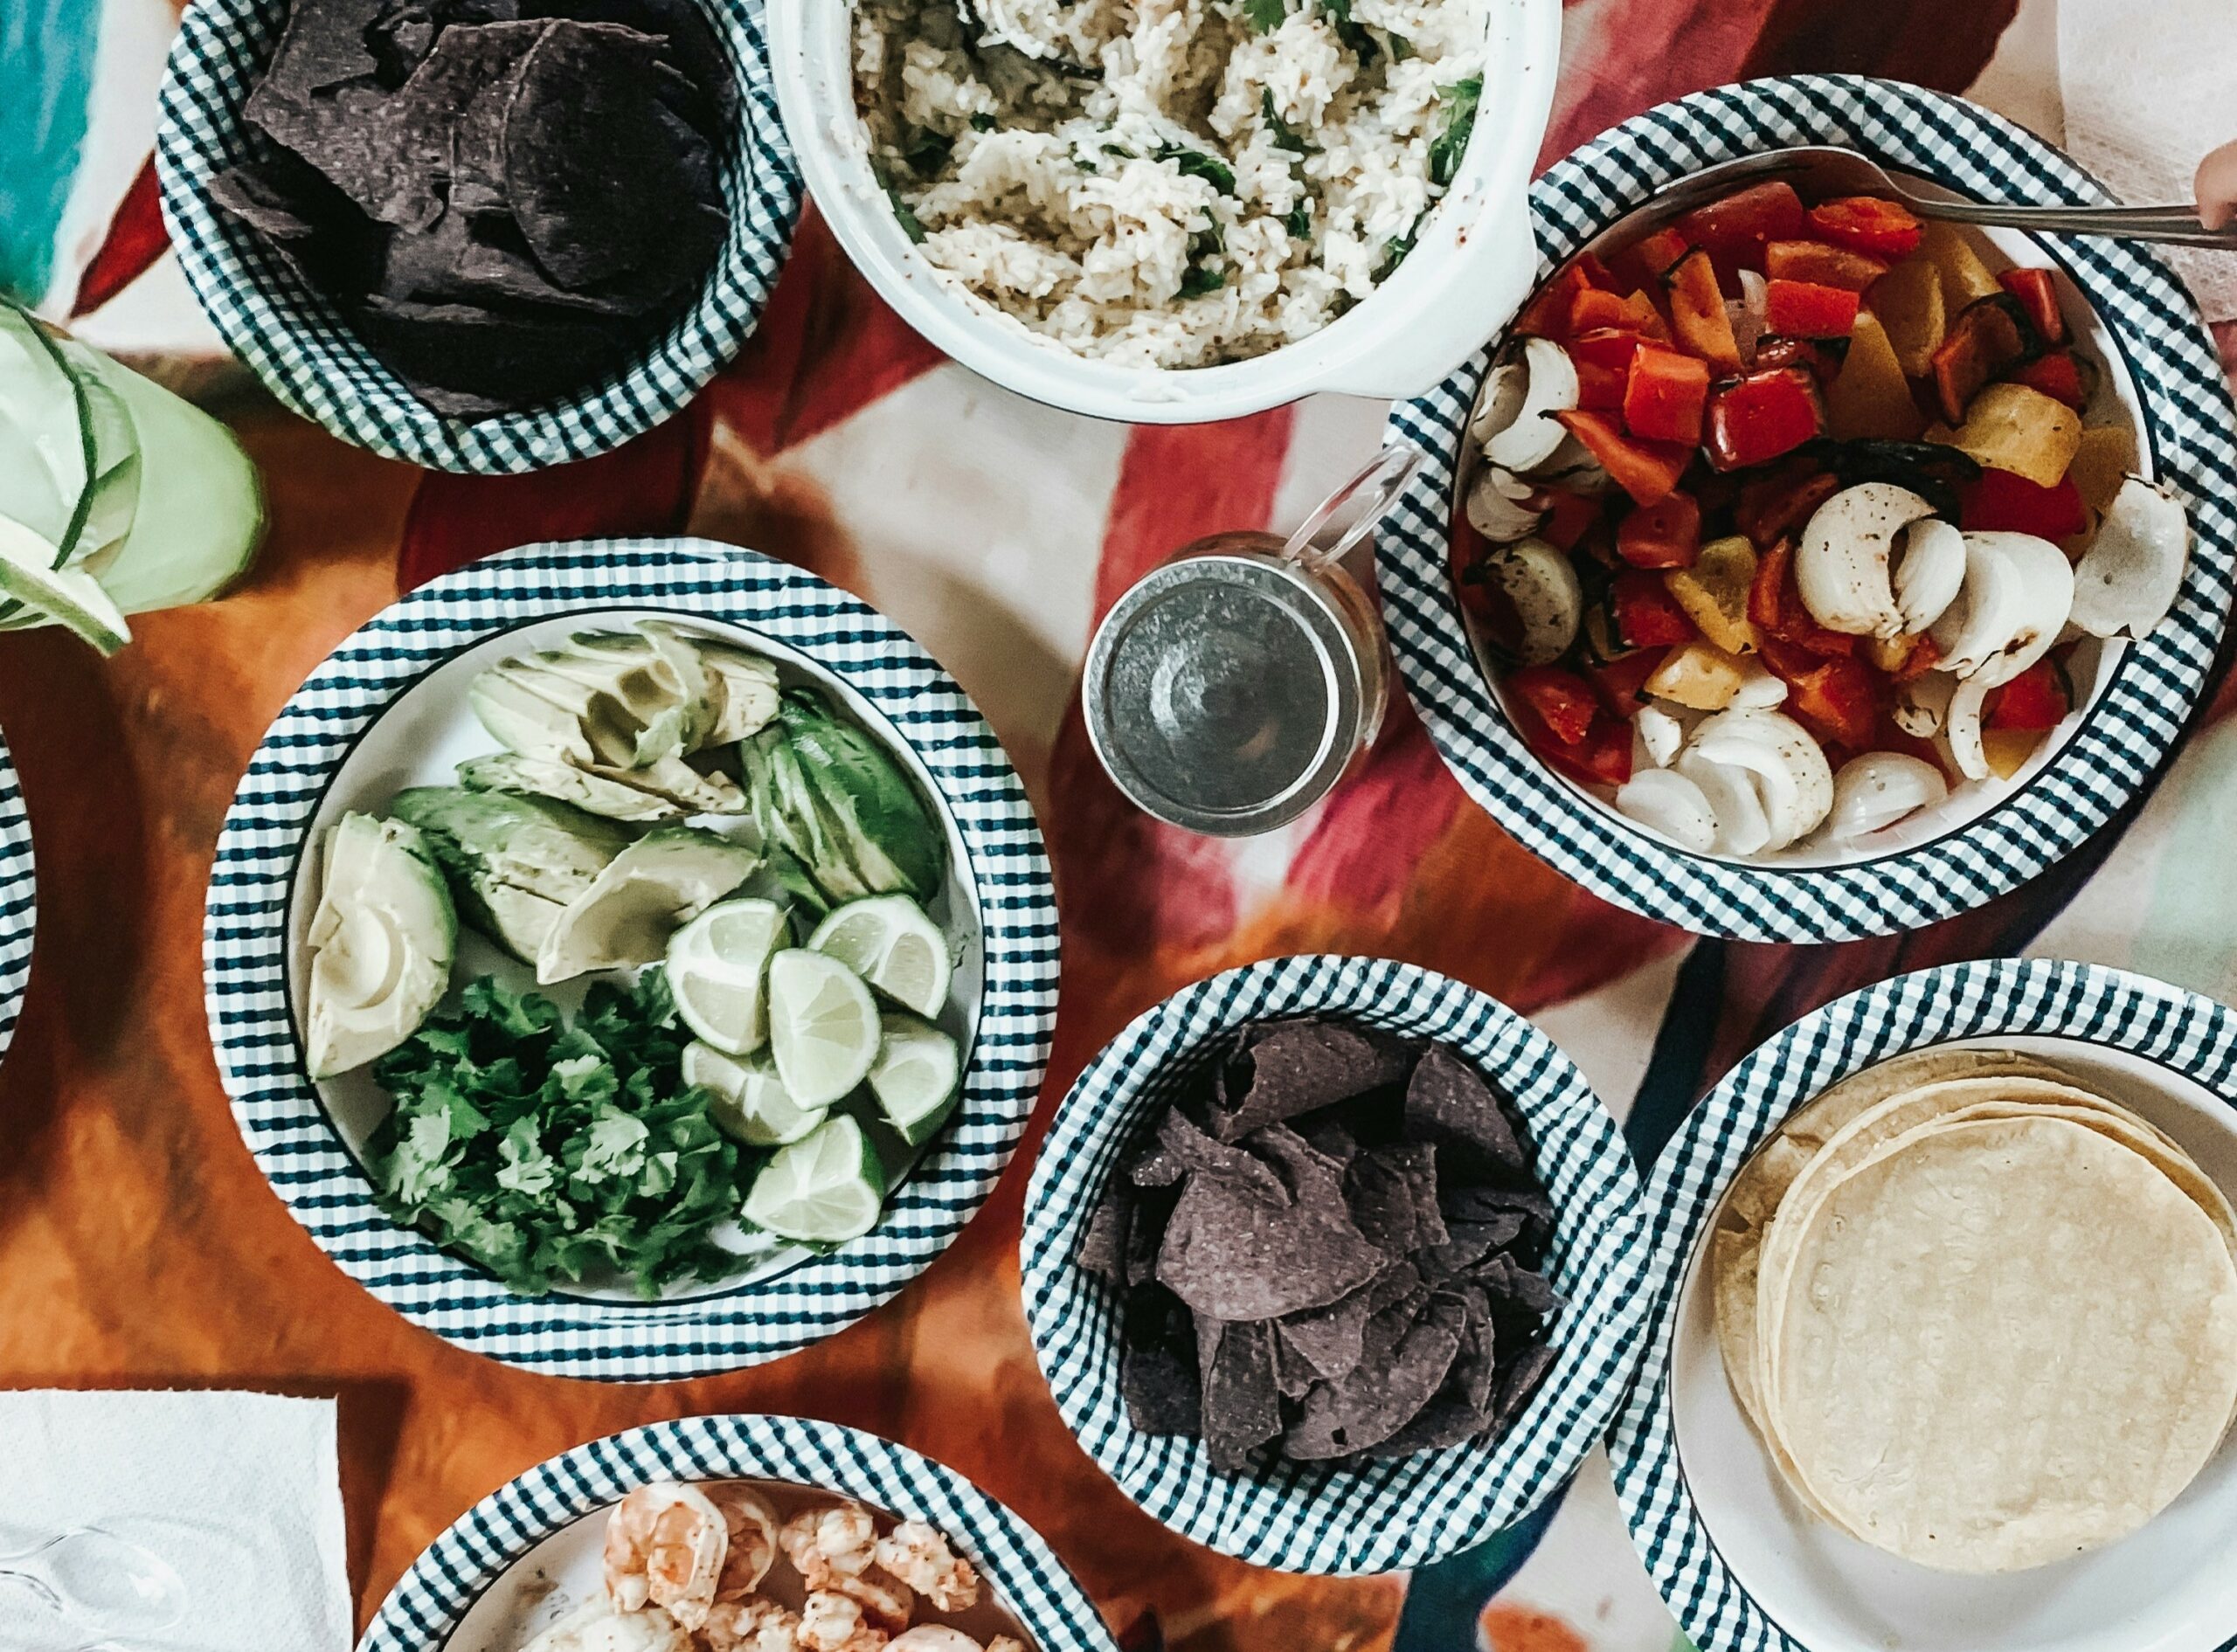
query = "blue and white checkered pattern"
x=430 y=1601
x=245 y=948
x=18 y=899
x=309 y=355
x=2126 y=733
x=1406 y=1511
x=2000 y=998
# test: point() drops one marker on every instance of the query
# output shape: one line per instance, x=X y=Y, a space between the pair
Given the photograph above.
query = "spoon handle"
x=2176 y=225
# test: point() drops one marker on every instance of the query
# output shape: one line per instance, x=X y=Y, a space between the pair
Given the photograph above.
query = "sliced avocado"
x=381 y=944
x=616 y=800
x=651 y=889
x=516 y=920
x=891 y=837
x=692 y=790
x=524 y=721
x=747 y=687
x=537 y=843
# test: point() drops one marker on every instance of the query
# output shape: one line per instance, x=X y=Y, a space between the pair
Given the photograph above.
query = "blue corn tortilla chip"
x=448 y=352
x=1448 y=1103
x=1241 y=1405
x=1158 y=1375
x=1392 y=1195
x=1331 y=1340
x=1467 y=1243
x=1514 y=1289
x=1198 y=1154
x=1410 y=1348
x=1461 y=1407
x=1289 y=1067
x=1103 y=1248
x=1231 y=1254
x=1519 y=1383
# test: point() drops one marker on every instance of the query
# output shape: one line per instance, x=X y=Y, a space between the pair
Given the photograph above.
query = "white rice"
x=1097 y=212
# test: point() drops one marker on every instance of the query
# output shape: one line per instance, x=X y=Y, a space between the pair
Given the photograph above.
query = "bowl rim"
x=442 y=1585
x=1472 y=255
x=286 y=1123
x=297 y=343
x=2090 y=1004
x=2148 y=692
x=1406 y=1511
x=18 y=897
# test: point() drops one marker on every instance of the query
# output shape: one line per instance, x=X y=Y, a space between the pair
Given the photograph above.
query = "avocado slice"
x=649 y=891
x=382 y=941
x=524 y=721
x=614 y=799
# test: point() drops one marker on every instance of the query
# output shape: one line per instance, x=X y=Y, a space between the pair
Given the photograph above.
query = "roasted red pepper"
x=1647 y=258
x=1838 y=698
x=2057 y=375
x=1546 y=315
x=1775 y=507
x=1737 y=229
x=1571 y=517
x=1869 y=225
x=1822 y=356
x=1999 y=502
x=1622 y=682
x=1697 y=319
x=1665 y=394
x=1602 y=757
x=2038 y=296
x=1808 y=309
x=1775 y=608
x=1646 y=614
x=1603 y=359
x=1667 y=535
x=1824 y=265
x=2035 y=699
x=1563 y=701
x=1989 y=336
x=1635 y=313
x=1762 y=416
x=1645 y=470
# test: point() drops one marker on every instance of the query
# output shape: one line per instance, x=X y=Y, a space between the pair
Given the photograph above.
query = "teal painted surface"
x=46 y=87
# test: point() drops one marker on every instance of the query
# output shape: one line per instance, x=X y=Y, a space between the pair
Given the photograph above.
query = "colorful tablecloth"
x=139 y=1244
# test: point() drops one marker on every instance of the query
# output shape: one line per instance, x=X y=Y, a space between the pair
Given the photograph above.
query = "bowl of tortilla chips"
x=481 y=239
x=1333 y=1264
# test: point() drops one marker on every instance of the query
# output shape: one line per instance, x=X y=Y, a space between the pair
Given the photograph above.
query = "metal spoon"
x=1830 y=170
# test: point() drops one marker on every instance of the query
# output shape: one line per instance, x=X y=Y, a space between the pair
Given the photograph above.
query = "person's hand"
x=2217 y=188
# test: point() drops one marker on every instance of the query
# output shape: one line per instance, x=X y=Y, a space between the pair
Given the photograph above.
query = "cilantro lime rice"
x=1168 y=183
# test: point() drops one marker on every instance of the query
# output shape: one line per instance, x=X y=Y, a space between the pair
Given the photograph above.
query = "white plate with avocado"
x=632 y=959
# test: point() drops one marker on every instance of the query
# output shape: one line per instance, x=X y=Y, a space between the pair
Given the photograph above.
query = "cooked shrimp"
x=1006 y=1643
x=920 y=1557
x=665 y=1545
x=886 y=1601
x=596 y=1627
x=752 y=1522
x=937 y=1637
x=828 y=1543
x=751 y=1625
x=833 y=1622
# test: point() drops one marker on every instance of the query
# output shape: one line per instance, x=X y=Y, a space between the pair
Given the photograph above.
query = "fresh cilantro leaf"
x=1299 y=222
x=1121 y=151
x=1394 y=254
x=1401 y=47
x=925 y=151
x=1194 y=163
x=1200 y=279
x=1354 y=36
x=1285 y=136
x=1265 y=16
x=1458 y=102
x=982 y=122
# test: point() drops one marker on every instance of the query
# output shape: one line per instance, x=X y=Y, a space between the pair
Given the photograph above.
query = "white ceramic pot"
x=1474 y=264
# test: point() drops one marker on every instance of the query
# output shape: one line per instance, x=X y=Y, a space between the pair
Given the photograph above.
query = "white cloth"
x=240 y=1492
x=2149 y=89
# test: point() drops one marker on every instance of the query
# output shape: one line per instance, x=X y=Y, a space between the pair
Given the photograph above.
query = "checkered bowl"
x=307 y=355
x=2146 y=692
x=381 y=713
x=18 y=899
x=1405 y=1511
x=487 y=1581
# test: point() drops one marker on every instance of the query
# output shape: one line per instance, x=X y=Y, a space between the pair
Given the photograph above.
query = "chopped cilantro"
x=982 y=123
x=1285 y=136
x=1200 y=279
x=1194 y=163
x=1299 y=221
x=1394 y=254
x=910 y=226
x=1266 y=15
x=1339 y=13
x=1459 y=103
x=926 y=151
x=546 y=1153
x=1401 y=47
x=1121 y=151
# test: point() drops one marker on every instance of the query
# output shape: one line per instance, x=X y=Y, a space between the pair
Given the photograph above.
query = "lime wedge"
x=65 y=594
x=715 y=965
x=825 y=1188
x=889 y=943
x=823 y=1027
x=750 y=1099
x=915 y=1076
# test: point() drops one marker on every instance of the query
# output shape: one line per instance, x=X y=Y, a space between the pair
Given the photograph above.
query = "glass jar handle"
x=1348 y=515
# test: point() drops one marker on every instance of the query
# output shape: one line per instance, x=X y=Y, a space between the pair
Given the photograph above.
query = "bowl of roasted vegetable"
x=1814 y=559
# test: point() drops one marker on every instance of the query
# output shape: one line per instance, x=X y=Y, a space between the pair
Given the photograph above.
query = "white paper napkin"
x=240 y=1492
x=2149 y=89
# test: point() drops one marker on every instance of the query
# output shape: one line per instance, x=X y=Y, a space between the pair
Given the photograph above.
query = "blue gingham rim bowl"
x=2140 y=710
x=2086 y=1004
x=298 y=343
x=1405 y=1511
x=18 y=899
x=431 y=1599
x=246 y=944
